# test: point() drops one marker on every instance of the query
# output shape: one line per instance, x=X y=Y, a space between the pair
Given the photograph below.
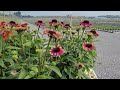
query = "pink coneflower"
x=52 y=33
x=40 y=23
x=17 y=25
x=54 y=22
x=3 y=23
x=12 y=22
x=24 y=25
x=62 y=23
x=5 y=34
x=85 y=23
x=57 y=51
x=67 y=26
x=94 y=33
x=88 y=46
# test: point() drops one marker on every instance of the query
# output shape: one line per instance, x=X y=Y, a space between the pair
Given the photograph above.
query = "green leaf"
x=68 y=71
x=44 y=76
x=12 y=47
x=32 y=73
x=56 y=70
x=9 y=60
x=35 y=69
x=28 y=77
x=2 y=63
x=22 y=74
x=82 y=74
x=27 y=44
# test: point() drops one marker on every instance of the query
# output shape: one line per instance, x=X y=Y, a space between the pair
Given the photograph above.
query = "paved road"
x=108 y=60
x=108 y=51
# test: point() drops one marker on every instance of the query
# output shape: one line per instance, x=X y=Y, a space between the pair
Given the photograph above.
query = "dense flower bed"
x=64 y=54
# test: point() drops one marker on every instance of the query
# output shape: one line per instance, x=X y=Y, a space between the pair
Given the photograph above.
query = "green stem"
x=22 y=46
x=39 y=64
x=83 y=54
x=82 y=33
x=47 y=48
x=78 y=34
x=55 y=42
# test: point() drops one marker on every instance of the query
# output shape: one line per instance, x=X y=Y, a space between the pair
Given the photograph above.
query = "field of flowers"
x=64 y=54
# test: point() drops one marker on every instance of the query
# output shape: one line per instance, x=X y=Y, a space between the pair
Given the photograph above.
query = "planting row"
x=64 y=54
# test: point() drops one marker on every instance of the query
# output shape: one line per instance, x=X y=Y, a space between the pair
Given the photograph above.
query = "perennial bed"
x=65 y=54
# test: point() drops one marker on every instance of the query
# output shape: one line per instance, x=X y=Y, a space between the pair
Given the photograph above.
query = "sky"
x=74 y=13
x=64 y=13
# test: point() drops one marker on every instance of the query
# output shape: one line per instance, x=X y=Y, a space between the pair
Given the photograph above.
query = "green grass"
x=8 y=19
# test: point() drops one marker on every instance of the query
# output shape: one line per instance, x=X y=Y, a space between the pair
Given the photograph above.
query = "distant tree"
x=18 y=14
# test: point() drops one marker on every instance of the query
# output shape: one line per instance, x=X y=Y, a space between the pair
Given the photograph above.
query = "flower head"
x=88 y=46
x=57 y=51
x=80 y=65
x=52 y=33
x=40 y=23
x=62 y=23
x=5 y=34
x=12 y=22
x=24 y=25
x=17 y=25
x=54 y=23
x=67 y=26
x=94 y=33
x=3 y=23
x=85 y=23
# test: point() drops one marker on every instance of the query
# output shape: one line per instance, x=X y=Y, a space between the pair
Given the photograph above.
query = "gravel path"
x=108 y=60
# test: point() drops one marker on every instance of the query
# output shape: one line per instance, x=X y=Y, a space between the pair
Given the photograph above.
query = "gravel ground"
x=108 y=60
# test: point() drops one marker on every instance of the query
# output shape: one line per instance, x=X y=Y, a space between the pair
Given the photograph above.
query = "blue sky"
x=74 y=13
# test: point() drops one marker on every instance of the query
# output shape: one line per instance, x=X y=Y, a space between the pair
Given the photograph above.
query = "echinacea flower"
x=12 y=23
x=40 y=23
x=94 y=33
x=85 y=23
x=73 y=33
x=5 y=34
x=80 y=65
x=62 y=23
x=24 y=25
x=57 y=51
x=20 y=28
x=78 y=29
x=52 y=33
x=88 y=46
x=3 y=23
x=54 y=23
x=67 y=26
x=17 y=25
